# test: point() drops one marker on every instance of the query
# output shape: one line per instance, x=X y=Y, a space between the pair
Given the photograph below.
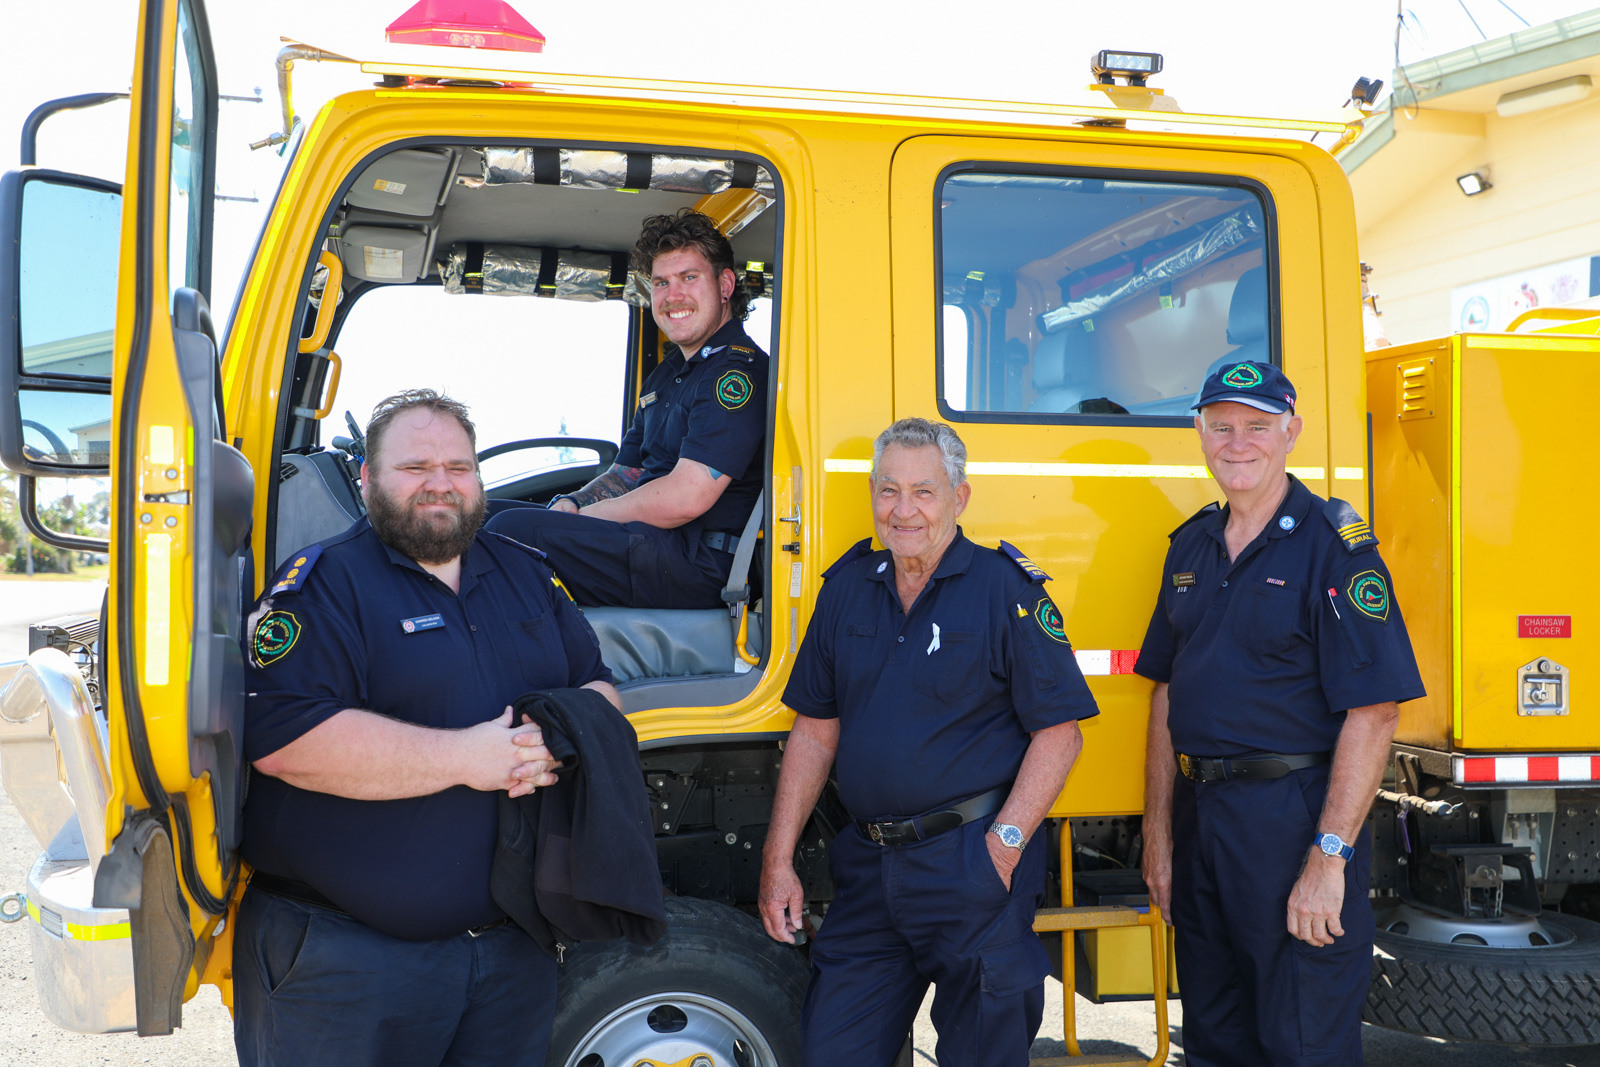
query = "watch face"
x=1009 y=836
x=1330 y=844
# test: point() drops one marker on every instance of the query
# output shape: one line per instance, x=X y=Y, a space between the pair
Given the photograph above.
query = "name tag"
x=1182 y=579
x=422 y=622
x=646 y=400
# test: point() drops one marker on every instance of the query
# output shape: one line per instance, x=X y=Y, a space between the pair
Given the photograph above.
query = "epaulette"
x=1210 y=509
x=1350 y=526
x=1034 y=572
x=749 y=354
x=534 y=552
x=295 y=572
x=860 y=548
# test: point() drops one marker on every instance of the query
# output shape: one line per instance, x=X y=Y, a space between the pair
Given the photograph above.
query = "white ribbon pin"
x=933 y=646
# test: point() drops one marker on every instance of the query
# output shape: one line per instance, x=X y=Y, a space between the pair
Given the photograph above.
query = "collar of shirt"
x=726 y=334
x=957 y=559
x=1296 y=507
x=472 y=563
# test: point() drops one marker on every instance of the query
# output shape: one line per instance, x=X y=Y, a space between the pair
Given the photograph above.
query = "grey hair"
x=921 y=433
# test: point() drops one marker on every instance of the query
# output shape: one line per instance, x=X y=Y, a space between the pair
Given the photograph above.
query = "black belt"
x=922 y=827
x=290 y=889
x=722 y=542
x=1254 y=768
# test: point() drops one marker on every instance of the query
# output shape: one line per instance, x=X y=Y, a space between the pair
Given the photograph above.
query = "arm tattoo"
x=614 y=482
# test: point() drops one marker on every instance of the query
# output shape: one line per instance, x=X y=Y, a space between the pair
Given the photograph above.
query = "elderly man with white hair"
x=938 y=674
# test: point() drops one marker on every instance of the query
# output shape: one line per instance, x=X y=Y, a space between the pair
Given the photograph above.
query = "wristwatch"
x=1334 y=845
x=1010 y=836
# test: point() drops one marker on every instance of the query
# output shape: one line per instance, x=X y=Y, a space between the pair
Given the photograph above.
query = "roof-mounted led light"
x=1135 y=66
x=466 y=24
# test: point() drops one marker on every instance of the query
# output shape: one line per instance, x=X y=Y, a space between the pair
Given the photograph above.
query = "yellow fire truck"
x=1055 y=280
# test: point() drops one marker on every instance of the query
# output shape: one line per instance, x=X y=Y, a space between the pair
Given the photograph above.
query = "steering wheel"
x=606 y=449
x=63 y=453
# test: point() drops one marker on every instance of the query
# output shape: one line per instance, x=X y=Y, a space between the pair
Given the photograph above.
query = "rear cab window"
x=1083 y=296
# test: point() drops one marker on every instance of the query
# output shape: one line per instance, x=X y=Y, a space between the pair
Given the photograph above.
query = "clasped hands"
x=504 y=755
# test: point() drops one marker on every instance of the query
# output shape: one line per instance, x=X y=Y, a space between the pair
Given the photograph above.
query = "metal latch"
x=1543 y=688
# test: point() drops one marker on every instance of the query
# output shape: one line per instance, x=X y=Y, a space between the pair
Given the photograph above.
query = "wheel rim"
x=1510 y=932
x=671 y=1028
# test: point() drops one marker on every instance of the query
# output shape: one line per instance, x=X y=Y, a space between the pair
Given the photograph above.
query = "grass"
x=100 y=573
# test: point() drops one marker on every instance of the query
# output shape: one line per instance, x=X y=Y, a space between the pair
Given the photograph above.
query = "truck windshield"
x=1068 y=294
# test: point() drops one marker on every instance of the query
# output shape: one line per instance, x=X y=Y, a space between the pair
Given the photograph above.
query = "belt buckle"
x=875 y=831
x=1186 y=766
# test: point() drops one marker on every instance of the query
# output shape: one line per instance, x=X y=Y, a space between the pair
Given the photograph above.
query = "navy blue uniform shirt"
x=1265 y=654
x=351 y=623
x=938 y=705
x=711 y=408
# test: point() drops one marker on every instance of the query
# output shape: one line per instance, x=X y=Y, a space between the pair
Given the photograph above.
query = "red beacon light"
x=466 y=24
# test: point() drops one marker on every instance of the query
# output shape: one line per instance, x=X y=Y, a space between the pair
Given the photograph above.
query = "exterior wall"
x=1544 y=208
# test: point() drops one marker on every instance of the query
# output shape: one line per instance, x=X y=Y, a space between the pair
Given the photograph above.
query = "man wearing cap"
x=1279 y=656
x=938 y=673
x=660 y=528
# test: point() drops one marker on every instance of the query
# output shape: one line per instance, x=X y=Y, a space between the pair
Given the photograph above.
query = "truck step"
x=1046 y=920
x=1115 y=1059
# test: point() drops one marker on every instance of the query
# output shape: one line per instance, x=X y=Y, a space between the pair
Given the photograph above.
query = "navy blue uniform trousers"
x=622 y=564
x=1252 y=994
x=313 y=986
x=933 y=911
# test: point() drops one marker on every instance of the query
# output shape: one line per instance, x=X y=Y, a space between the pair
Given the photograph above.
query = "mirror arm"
x=35 y=119
x=27 y=505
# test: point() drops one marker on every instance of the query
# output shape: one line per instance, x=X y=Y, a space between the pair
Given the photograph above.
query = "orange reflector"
x=466 y=24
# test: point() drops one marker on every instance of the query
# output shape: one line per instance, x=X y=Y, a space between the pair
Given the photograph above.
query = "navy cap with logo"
x=1260 y=385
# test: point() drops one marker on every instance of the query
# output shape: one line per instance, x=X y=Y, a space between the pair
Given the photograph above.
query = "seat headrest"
x=1247 y=311
x=1061 y=359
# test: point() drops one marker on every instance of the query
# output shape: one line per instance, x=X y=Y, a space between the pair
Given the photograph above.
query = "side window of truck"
x=1069 y=295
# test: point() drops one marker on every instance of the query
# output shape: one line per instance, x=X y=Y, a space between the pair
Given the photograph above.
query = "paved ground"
x=27 y=1038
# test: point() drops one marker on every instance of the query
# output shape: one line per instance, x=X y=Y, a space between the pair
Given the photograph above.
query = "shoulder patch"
x=862 y=547
x=273 y=637
x=734 y=389
x=292 y=576
x=1350 y=526
x=1210 y=509
x=1048 y=616
x=1034 y=572
x=1370 y=594
x=529 y=549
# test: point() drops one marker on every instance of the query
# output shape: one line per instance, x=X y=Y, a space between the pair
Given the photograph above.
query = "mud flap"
x=139 y=874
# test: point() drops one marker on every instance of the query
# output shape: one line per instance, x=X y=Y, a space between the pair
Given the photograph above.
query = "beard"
x=437 y=537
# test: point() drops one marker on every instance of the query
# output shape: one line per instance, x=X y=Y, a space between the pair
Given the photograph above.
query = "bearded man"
x=379 y=662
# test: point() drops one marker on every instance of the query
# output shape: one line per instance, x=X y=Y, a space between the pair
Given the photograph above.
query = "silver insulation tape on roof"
x=1230 y=232
x=637 y=291
x=508 y=270
x=582 y=275
x=588 y=168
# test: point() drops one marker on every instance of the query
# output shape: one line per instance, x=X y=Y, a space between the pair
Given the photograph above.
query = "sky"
x=1243 y=56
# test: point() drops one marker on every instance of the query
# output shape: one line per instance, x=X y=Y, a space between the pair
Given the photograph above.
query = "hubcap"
x=1511 y=931
x=671 y=1029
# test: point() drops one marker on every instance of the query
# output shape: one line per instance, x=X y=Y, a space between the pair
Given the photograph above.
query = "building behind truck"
x=1056 y=280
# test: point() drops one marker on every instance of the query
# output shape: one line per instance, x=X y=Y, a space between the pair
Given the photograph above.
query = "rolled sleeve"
x=1364 y=651
x=319 y=675
x=1047 y=686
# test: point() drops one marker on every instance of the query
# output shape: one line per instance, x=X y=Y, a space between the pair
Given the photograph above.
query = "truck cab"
x=1053 y=280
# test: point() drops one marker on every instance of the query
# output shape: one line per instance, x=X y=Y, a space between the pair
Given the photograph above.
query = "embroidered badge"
x=274 y=636
x=734 y=390
x=1049 y=619
x=1242 y=376
x=1370 y=594
x=422 y=622
x=1183 y=578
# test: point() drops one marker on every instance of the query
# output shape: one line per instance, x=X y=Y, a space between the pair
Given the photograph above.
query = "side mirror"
x=59 y=255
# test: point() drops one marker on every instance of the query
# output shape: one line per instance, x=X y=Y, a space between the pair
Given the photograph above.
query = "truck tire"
x=715 y=983
x=1533 y=996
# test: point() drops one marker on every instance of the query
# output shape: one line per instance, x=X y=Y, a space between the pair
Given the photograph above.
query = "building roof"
x=1437 y=106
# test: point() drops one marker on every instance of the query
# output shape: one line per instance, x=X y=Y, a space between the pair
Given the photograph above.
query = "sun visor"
x=412 y=181
x=516 y=270
x=384 y=253
x=588 y=168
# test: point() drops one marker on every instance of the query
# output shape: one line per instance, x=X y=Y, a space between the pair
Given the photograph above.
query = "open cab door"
x=181 y=507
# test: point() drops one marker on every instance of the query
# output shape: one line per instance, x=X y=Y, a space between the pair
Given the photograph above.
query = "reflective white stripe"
x=1105 y=661
x=1349 y=474
x=1525 y=770
x=1575 y=768
x=157 y=636
x=1091 y=470
x=1511 y=768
